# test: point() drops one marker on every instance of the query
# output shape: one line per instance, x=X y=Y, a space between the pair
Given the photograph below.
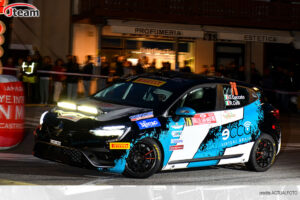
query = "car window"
x=134 y=94
x=235 y=97
x=201 y=99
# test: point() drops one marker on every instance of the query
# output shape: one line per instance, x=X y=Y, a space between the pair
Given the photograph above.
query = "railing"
x=245 y=13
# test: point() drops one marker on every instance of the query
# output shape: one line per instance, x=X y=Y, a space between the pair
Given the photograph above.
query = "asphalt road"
x=19 y=167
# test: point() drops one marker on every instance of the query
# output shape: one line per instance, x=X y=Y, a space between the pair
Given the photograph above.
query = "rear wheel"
x=144 y=159
x=263 y=154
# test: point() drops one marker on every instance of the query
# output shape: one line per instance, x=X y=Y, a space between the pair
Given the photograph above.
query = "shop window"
x=111 y=42
x=131 y=44
x=158 y=45
x=183 y=47
x=235 y=98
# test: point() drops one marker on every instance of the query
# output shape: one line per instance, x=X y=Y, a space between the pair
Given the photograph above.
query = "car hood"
x=112 y=111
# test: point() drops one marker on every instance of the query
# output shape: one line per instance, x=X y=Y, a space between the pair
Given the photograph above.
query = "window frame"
x=218 y=97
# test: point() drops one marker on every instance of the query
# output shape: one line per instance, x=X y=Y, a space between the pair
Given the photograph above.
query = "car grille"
x=60 y=154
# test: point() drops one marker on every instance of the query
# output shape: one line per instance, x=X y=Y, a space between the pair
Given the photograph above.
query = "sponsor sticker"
x=228 y=115
x=176 y=147
x=148 y=81
x=247 y=126
x=58 y=143
x=119 y=145
x=176 y=133
x=141 y=116
x=175 y=141
x=148 y=123
x=204 y=118
x=177 y=126
x=225 y=134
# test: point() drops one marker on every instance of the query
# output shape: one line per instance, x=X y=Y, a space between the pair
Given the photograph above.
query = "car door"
x=186 y=145
x=240 y=118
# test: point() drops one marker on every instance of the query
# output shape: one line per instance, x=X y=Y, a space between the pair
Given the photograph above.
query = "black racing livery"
x=143 y=124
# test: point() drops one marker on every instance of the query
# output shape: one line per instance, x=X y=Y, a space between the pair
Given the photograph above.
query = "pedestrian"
x=255 y=76
x=45 y=80
x=29 y=78
x=139 y=67
x=87 y=69
x=241 y=73
x=9 y=64
x=211 y=71
x=58 y=79
x=104 y=71
x=119 y=66
x=72 y=80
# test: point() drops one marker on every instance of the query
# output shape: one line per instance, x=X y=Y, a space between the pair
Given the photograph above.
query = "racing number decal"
x=234 y=90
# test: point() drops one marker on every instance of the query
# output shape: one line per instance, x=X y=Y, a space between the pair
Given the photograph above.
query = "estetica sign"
x=260 y=38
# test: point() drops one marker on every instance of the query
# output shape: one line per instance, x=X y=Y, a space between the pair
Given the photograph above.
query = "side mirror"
x=185 y=112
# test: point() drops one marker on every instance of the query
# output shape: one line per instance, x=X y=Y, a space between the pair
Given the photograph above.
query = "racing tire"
x=144 y=159
x=262 y=154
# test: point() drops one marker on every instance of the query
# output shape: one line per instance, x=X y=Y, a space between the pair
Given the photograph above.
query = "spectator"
x=186 y=67
x=255 y=76
x=19 y=68
x=119 y=66
x=128 y=70
x=87 y=69
x=58 y=79
x=29 y=78
x=139 y=67
x=241 y=74
x=166 y=67
x=104 y=71
x=72 y=80
x=9 y=64
x=45 y=80
x=211 y=71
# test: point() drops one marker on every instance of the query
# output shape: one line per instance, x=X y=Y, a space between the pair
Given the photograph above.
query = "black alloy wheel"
x=263 y=154
x=144 y=159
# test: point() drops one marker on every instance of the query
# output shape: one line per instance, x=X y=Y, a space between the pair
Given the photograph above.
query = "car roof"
x=193 y=79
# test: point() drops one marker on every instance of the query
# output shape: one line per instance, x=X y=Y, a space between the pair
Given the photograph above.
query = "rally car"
x=144 y=124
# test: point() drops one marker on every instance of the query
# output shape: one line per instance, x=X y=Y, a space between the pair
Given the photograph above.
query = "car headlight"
x=88 y=109
x=42 y=117
x=66 y=105
x=111 y=131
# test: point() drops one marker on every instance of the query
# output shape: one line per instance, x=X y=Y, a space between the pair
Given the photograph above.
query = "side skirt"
x=206 y=159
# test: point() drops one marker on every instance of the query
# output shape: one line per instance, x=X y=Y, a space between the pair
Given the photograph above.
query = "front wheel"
x=263 y=154
x=144 y=159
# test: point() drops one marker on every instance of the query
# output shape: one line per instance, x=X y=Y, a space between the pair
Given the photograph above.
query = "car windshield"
x=135 y=94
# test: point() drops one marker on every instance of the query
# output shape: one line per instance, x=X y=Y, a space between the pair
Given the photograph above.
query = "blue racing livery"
x=162 y=122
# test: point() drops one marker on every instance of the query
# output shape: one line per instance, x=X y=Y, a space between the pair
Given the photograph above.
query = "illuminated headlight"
x=42 y=117
x=111 y=131
x=67 y=105
x=88 y=109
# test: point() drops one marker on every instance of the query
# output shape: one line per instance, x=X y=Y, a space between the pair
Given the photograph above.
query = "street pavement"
x=19 y=167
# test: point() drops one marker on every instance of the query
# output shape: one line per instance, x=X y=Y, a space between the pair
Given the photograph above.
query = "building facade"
x=197 y=33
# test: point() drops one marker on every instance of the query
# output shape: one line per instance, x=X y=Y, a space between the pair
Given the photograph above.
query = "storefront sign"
x=155 y=29
x=260 y=38
x=283 y=39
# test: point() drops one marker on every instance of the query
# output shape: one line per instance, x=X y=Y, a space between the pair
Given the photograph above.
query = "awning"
x=252 y=35
x=156 y=29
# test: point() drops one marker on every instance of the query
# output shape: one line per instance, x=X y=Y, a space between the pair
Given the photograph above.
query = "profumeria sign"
x=18 y=9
